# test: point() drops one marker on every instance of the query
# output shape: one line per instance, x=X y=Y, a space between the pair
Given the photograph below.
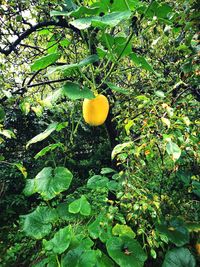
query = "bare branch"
x=25 y=34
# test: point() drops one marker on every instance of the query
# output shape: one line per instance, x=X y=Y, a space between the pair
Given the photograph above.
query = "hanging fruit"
x=95 y=111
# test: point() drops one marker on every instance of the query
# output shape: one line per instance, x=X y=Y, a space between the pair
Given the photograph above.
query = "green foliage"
x=179 y=257
x=122 y=194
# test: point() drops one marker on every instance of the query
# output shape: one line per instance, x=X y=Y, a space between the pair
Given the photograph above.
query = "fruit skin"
x=95 y=111
x=197 y=246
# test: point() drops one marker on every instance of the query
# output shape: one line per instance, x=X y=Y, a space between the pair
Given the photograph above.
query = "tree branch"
x=25 y=34
x=23 y=89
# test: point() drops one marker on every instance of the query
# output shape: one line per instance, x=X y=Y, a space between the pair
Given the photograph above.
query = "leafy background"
x=122 y=194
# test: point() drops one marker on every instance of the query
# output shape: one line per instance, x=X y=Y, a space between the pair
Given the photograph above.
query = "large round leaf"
x=79 y=257
x=81 y=206
x=38 y=223
x=97 y=181
x=60 y=242
x=175 y=231
x=126 y=252
x=179 y=257
x=50 y=183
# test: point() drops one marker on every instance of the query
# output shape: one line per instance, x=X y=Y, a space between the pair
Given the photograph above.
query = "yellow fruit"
x=95 y=111
x=197 y=246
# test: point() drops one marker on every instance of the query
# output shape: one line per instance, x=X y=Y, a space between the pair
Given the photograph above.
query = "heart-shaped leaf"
x=126 y=251
x=49 y=182
x=81 y=206
x=60 y=242
x=179 y=257
x=37 y=224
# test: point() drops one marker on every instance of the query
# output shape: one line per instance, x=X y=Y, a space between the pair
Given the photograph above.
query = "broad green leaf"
x=126 y=251
x=45 y=61
x=141 y=62
x=72 y=67
x=100 y=228
x=60 y=242
x=173 y=150
x=64 y=214
x=117 y=89
x=97 y=181
x=81 y=206
x=179 y=257
x=51 y=182
x=123 y=230
x=119 y=148
x=175 y=231
x=48 y=148
x=74 y=91
x=163 y=10
x=39 y=223
x=42 y=136
x=70 y=5
x=83 y=10
x=107 y=171
x=80 y=257
x=30 y=188
x=109 y=20
x=123 y=5
x=184 y=176
x=120 y=43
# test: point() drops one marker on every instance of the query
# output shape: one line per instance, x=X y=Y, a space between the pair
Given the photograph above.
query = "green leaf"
x=173 y=150
x=97 y=181
x=141 y=62
x=42 y=136
x=123 y=230
x=118 y=149
x=196 y=188
x=81 y=206
x=126 y=251
x=107 y=170
x=7 y=133
x=83 y=10
x=49 y=183
x=72 y=67
x=22 y=169
x=123 y=5
x=48 y=148
x=120 y=43
x=25 y=107
x=175 y=231
x=117 y=89
x=100 y=228
x=74 y=92
x=38 y=223
x=45 y=61
x=80 y=257
x=2 y=114
x=30 y=188
x=160 y=94
x=166 y=121
x=60 y=242
x=179 y=257
x=109 y=20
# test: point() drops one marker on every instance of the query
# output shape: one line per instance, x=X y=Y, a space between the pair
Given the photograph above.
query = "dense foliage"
x=125 y=193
